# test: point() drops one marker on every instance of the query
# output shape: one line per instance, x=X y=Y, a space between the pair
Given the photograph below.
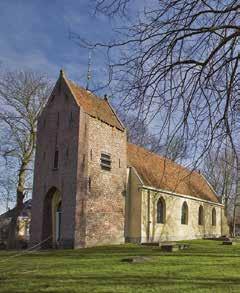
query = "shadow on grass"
x=132 y=282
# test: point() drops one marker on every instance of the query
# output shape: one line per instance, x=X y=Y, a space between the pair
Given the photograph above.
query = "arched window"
x=213 y=217
x=161 y=211
x=200 y=215
x=184 y=216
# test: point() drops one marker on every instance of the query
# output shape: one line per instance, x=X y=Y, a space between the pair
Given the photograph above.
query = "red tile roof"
x=154 y=170
x=161 y=173
x=95 y=106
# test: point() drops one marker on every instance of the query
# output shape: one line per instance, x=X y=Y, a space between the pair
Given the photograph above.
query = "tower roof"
x=93 y=105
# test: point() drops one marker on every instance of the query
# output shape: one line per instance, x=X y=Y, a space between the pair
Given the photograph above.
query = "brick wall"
x=93 y=200
x=102 y=203
x=58 y=127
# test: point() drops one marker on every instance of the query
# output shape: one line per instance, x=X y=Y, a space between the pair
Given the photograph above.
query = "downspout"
x=148 y=215
x=222 y=211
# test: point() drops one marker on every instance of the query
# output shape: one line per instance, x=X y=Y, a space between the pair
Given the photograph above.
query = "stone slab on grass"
x=229 y=242
x=168 y=246
x=136 y=259
x=150 y=244
x=183 y=246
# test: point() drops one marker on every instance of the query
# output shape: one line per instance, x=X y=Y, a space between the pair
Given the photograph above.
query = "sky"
x=34 y=35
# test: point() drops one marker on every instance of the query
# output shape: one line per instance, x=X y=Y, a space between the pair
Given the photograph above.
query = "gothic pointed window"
x=213 y=217
x=200 y=216
x=161 y=211
x=184 y=215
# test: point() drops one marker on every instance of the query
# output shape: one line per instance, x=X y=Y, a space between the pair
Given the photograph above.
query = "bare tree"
x=139 y=132
x=175 y=148
x=112 y=7
x=22 y=97
x=6 y=191
x=176 y=65
x=221 y=171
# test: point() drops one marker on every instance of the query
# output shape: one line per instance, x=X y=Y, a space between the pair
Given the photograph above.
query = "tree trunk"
x=11 y=243
x=12 y=231
x=234 y=221
x=236 y=202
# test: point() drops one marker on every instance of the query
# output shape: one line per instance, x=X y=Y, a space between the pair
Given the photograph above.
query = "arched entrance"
x=52 y=211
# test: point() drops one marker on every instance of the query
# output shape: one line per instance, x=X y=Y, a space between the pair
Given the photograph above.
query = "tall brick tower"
x=80 y=171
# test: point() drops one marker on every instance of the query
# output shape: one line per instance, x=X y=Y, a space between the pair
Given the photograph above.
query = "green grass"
x=207 y=266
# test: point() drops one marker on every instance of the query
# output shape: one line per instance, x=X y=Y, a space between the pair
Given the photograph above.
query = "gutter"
x=143 y=186
x=180 y=195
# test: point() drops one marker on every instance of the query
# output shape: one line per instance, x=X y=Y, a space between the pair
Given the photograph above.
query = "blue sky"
x=35 y=35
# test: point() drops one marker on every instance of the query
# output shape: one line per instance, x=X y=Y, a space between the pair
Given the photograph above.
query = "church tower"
x=80 y=171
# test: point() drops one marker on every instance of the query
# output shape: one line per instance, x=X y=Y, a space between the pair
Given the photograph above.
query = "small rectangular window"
x=91 y=154
x=83 y=161
x=89 y=183
x=55 y=163
x=71 y=118
x=106 y=161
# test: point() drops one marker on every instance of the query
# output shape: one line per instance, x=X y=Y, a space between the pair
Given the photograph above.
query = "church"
x=92 y=187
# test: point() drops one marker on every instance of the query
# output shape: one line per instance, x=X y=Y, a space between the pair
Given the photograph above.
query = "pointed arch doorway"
x=52 y=219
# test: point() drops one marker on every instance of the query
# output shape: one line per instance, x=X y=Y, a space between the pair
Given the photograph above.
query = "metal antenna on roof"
x=89 y=69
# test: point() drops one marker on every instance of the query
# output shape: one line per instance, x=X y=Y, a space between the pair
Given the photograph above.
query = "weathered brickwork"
x=93 y=199
x=101 y=194
x=106 y=202
x=58 y=128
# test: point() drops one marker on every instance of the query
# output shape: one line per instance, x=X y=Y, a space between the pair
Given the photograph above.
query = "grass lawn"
x=207 y=266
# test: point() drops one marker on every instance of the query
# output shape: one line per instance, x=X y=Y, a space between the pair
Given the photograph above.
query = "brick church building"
x=92 y=187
